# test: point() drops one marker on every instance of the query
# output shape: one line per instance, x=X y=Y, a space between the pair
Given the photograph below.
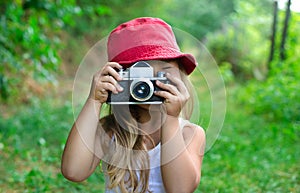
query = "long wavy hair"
x=128 y=161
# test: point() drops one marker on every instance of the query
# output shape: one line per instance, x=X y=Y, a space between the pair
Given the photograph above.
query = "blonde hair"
x=128 y=154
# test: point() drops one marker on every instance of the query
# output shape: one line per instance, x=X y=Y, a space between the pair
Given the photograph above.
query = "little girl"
x=143 y=147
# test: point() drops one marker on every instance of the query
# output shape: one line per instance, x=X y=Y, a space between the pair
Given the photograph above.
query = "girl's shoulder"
x=188 y=127
x=194 y=134
x=196 y=130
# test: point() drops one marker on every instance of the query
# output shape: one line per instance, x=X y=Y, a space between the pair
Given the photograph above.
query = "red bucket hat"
x=146 y=38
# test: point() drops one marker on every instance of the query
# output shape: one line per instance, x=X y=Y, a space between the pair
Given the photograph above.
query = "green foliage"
x=278 y=97
x=252 y=154
x=244 y=45
x=30 y=42
x=31 y=145
x=226 y=72
x=198 y=17
x=243 y=42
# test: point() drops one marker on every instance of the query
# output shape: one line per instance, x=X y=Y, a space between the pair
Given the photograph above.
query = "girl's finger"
x=110 y=69
x=111 y=80
x=108 y=87
x=168 y=87
x=113 y=65
x=179 y=84
x=164 y=94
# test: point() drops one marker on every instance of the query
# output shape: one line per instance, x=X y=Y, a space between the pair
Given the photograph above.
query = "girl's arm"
x=182 y=151
x=181 y=156
x=83 y=150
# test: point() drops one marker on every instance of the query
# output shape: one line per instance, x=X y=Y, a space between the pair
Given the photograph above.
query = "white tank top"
x=155 y=179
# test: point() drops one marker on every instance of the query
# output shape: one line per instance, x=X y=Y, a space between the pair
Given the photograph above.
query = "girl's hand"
x=104 y=81
x=175 y=95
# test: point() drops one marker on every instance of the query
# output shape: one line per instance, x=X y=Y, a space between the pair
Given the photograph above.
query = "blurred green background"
x=256 y=45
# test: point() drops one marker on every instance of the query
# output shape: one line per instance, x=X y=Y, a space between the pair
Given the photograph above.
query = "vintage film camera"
x=139 y=85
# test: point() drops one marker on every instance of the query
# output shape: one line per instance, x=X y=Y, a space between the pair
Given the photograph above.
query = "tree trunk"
x=273 y=36
x=284 y=32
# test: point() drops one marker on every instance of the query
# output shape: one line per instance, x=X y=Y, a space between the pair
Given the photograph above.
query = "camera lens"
x=141 y=90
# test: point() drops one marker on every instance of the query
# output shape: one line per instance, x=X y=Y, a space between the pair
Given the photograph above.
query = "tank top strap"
x=182 y=122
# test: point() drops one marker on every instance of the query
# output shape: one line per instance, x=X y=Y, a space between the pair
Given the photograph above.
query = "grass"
x=251 y=154
x=31 y=144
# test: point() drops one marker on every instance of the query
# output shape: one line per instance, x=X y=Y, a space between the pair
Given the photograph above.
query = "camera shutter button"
x=161 y=74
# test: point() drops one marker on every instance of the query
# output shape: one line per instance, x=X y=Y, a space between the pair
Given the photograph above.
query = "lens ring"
x=141 y=82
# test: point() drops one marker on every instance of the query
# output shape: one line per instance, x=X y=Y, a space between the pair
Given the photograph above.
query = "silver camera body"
x=138 y=85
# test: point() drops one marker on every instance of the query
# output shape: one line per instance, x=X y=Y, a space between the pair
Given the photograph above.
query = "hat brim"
x=154 y=52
